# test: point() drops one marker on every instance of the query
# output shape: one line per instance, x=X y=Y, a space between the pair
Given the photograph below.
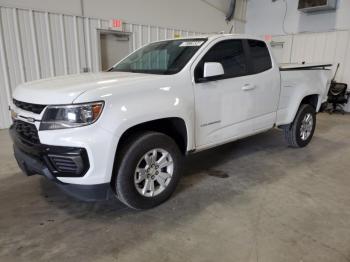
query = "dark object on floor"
x=218 y=173
x=323 y=107
x=338 y=96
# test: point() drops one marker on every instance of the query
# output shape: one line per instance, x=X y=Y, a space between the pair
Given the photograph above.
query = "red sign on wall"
x=268 y=38
x=117 y=24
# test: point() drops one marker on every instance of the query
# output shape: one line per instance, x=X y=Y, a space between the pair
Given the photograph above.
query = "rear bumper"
x=33 y=159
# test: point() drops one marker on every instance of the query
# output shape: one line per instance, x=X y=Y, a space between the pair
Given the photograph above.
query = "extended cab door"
x=224 y=105
x=266 y=81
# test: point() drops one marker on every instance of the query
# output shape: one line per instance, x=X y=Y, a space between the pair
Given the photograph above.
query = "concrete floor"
x=252 y=200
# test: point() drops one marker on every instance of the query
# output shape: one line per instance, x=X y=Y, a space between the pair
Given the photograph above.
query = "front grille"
x=26 y=131
x=67 y=164
x=34 y=108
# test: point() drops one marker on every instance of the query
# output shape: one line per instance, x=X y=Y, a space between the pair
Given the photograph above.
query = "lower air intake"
x=67 y=164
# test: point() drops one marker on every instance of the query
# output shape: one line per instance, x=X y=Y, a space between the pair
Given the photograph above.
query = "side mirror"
x=212 y=70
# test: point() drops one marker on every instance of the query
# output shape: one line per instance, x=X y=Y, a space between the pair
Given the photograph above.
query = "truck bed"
x=298 y=81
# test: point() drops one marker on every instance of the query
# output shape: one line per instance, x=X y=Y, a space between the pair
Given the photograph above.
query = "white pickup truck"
x=123 y=133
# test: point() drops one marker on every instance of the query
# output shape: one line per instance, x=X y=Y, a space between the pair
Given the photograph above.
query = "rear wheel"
x=149 y=170
x=300 y=132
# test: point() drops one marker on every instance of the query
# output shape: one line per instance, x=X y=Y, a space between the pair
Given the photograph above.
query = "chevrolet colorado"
x=122 y=133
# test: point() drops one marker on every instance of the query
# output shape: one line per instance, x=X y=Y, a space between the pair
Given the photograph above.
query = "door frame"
x=113 y=32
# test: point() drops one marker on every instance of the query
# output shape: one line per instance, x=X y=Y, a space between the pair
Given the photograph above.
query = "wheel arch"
x=312 y=100
x=286 y=116
x=174 y=127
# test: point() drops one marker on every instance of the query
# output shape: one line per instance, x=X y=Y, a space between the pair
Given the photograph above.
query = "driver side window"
x=230 y=54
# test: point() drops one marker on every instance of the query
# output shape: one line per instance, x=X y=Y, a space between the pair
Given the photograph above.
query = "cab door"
x=224 y=106
x=266 y=80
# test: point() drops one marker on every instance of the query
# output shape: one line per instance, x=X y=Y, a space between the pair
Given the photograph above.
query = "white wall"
x=69 y=7
x=193 y=15
x=321 y=37
x=316 y=48
x=266 y=17
x=44 y=38
x=37 y=44
x=320 y=48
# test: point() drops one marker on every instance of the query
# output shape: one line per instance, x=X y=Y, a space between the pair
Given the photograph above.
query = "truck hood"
x=65 y=89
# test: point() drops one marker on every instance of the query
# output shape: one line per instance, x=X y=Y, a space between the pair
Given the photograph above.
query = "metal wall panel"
x=36 y=44
x=328 y=47
x=5 y=92
x=282 y=46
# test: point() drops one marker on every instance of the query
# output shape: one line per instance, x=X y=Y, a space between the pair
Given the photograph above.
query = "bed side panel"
x=297 y=84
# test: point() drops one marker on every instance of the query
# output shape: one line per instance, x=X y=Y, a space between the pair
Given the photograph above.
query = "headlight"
x=69 y=116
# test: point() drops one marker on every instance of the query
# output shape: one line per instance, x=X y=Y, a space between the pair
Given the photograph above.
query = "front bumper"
x=37 y=159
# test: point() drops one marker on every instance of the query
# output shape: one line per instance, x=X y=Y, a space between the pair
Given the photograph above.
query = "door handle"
x=247 y=87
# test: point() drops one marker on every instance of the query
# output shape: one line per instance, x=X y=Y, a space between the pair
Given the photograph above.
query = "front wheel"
x=149 y=170
x=300 y=132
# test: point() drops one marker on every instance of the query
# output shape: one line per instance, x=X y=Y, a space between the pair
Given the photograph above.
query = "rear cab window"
x=239 y=57
x=259 y=56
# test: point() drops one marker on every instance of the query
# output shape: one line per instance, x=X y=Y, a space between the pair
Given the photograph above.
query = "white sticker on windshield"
x=191 y=43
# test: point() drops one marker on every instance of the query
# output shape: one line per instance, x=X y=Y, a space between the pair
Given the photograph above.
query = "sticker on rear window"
x=191 y=43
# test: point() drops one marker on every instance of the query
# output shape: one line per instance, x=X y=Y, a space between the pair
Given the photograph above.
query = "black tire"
x=292 y=132
x=131 y=154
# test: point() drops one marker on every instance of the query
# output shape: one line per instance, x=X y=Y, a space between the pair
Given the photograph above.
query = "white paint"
x=296 y=85
x=239 y=106
x=212 y=111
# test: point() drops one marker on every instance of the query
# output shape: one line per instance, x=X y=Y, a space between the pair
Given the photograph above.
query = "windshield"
x=166 y=57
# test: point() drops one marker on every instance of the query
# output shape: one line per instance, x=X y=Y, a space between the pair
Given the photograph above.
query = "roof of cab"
x=216 y=36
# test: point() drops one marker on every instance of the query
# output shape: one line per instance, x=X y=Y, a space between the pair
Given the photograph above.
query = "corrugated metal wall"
x=327 y=47
x=36 y=44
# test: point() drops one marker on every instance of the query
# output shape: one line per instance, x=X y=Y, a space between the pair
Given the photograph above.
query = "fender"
x=295 y=86
x=162 y=97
